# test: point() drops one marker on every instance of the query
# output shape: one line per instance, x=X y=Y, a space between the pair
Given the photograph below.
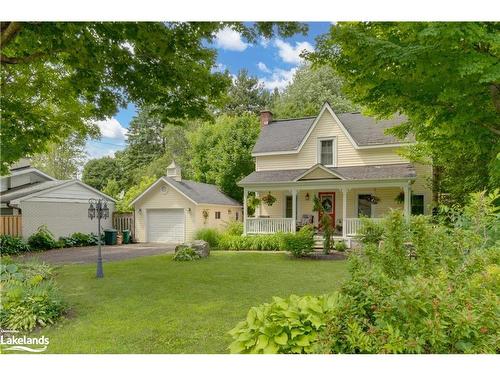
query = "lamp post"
x=98 y=208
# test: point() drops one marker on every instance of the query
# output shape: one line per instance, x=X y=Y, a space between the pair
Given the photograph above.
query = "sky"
x=273 y=61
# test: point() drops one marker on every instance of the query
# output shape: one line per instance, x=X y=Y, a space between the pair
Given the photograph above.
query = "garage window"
x=217 y=214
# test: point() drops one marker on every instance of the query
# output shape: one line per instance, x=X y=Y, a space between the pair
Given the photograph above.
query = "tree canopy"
x=310 y=89
x=58 y=78
x=97 y=172
x=445 y=77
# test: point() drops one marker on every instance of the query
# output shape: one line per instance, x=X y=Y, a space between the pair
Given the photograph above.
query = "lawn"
x=156 y=305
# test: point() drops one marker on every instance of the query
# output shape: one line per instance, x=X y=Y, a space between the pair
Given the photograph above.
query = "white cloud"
x=264 y=42
x=263 y=67
x=111 y=128
x=230 y=39
x=279 y=79
x=291 y=54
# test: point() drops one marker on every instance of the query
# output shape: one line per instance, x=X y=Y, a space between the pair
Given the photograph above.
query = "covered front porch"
x=345 y=203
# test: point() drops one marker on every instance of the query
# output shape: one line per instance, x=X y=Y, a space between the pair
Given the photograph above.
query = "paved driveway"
x=109 y=253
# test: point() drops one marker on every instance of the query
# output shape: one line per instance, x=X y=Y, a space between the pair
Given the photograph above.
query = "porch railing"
x=354 y=224
x=269 y=225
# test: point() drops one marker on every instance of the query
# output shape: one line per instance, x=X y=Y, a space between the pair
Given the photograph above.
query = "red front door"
x=327 y=201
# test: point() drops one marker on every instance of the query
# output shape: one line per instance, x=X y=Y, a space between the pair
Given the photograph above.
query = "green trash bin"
x=110 y=236
x=126 y=236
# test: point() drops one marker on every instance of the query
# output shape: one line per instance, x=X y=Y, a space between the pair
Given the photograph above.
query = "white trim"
x=342 y=127
x=334 y=150
x=321 y=166
x=68 y=183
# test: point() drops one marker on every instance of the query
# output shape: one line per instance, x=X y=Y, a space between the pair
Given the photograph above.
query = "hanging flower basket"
x=268 y=199
x=400 y=198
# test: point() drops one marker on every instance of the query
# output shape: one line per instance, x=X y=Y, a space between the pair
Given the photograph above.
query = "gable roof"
x=25 y=170
x=329 y=171
x=196 y=192
x=355 y=173
x=28 y=191
x=288 y=136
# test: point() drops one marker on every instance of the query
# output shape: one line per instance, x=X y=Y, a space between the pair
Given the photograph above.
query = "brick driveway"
x=72 y=255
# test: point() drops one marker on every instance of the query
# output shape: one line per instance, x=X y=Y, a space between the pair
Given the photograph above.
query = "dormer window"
x=327 y=152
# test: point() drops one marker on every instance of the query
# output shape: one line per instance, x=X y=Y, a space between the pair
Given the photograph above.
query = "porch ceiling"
x=361 y=173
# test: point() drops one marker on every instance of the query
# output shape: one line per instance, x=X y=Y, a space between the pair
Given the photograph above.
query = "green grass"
x=156 y=305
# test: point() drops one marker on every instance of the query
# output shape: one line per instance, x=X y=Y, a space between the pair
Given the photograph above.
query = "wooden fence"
x=11 y=225
x=124 y=221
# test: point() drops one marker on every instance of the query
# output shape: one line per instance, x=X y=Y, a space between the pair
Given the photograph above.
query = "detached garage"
x=171 y=210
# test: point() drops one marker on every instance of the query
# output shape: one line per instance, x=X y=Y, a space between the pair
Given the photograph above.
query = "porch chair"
x=306 y=219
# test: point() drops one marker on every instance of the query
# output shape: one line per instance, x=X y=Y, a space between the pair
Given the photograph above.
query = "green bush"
x=29 y=296
x=370 y=231
x=209 y=235
x=186 y=254
x=340 y=246
x=10 y=245
x=285 y=325
x=42 y=239
x=269 y=242
x=301 y=243
x=234 y=228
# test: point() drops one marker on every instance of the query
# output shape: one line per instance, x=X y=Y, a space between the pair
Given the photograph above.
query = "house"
x=173 y=209
x=344 y=159
x=39 y=199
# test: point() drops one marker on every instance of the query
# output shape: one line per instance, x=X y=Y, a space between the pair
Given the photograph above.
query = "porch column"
x=407 y=201
x=257 y=209
x=294 y=210
x=345 y=191
x=245 y=196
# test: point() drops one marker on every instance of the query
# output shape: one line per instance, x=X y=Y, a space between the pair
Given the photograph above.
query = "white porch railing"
x=269 y=225
x=352 y=225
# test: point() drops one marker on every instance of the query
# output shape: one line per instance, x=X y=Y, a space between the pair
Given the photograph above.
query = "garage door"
x=166 y=225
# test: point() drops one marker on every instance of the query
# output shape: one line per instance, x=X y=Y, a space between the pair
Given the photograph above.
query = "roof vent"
x=174 y=171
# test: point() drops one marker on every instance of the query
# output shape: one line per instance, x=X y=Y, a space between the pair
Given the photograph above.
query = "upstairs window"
x=326 y=152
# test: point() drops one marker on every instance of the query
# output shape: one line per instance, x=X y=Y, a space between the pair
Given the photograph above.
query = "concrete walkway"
x=75 y=255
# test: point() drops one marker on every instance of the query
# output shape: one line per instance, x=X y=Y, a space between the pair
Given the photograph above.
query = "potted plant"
x=268 y=199
x=400 y=198
x=252 y=203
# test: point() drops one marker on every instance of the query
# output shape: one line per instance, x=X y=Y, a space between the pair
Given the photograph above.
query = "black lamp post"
x=98 y=208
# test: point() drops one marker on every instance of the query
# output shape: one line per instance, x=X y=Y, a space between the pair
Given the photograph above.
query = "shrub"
x=340 y=246
x=42 y=239
x=299 y=244
x=186 y=254
x=209 y=235
x=234 y=228
x=269 y=242
x=29 y=296
x=327 y=227
x=285 y=325
x=370 y=231
x=10 y=245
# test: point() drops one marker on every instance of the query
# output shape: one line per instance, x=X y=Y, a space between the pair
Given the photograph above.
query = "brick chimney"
x=265 y=118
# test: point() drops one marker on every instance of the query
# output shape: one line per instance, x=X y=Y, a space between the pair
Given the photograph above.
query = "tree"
x=62 y=161
x=98 y=172
x=444 y=76
x=57 y=78
x=221 y=152
x=246 y=95
x=310 y=89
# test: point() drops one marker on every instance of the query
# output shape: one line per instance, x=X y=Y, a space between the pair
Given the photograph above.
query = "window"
x=326 y=151
x=417 y=204
x=217 y=214
x=364 y=205
x=237 y=216
x=288 y=206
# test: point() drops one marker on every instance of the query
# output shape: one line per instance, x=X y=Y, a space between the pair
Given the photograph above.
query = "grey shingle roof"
x=356 y=173
x=202 y=193
x=368 y=131
x=287 y=135
x=284 y=135
x=23 y=191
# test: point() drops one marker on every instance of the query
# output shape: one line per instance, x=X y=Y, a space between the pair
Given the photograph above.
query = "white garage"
x=166 y=225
